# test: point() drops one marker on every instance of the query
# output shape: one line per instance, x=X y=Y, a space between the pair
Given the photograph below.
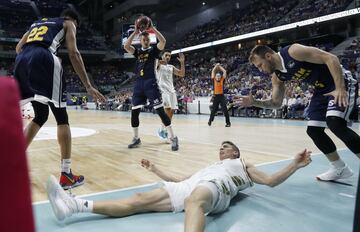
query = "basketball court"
x=113 y=171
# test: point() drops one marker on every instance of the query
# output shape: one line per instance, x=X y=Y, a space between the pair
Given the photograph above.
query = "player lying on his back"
x=207 y=191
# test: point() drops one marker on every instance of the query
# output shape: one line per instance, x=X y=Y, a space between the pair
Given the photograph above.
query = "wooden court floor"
x=107 y=164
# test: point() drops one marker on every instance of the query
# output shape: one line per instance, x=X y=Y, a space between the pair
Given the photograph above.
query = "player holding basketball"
x=39 y=73
x=209 y=190
x=146 y=86
x=165 y=73
x=331 y=105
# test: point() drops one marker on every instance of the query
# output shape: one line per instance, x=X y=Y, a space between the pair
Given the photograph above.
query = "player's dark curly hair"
x=69 y=13
x=233 y=146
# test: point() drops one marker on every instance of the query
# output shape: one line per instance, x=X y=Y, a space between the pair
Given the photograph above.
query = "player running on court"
x=39 y=73
x=208 y=191
x=165 y=73
x=146 y=86
x=331 y=105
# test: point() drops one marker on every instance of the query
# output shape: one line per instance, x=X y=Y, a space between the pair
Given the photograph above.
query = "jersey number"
x=36 y=34
x=142 y=72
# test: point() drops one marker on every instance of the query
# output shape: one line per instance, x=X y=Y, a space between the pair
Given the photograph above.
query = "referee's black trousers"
x=219 y=99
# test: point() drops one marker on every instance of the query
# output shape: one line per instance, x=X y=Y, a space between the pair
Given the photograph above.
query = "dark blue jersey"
x=48 y=33
x=146 y=61
x=315 y=74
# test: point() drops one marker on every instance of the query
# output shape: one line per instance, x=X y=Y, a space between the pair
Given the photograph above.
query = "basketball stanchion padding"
x=15 y=196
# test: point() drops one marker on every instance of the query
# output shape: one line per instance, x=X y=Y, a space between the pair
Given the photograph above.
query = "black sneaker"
x=228 y=125
x=209 y=123
x=135 y=143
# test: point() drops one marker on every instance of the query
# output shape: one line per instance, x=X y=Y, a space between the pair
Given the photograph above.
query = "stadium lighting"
x=325 y=18
x=203 y=3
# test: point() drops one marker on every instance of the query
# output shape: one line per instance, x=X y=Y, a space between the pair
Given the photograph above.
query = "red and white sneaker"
x=69 y=180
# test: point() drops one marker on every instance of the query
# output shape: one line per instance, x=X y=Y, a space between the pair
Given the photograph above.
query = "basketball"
x=143 y=23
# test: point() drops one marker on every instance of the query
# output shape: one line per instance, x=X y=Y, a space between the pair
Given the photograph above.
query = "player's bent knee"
x=135 y=117
x=41 y=112
x=194 y=202
x=315 y=132
x=336 y=125
x=339 y=127
x=321 y=139
x=164 y=117
x=62 y=117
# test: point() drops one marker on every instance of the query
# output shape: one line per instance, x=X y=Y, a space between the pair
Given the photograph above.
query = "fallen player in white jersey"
x=207 y=191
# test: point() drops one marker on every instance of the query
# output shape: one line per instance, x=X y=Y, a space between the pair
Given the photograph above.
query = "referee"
x=218 y=75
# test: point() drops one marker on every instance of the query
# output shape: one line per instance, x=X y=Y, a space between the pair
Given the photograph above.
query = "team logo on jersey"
x=291 y=64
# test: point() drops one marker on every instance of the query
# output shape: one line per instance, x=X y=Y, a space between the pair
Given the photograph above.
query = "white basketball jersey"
x=164 y=75
x=230 y=175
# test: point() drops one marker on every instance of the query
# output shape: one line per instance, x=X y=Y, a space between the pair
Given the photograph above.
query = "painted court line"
x=346 y=195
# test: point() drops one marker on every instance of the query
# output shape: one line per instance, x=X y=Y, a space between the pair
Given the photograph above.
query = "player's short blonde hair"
x=259 y=50
x=235 y=148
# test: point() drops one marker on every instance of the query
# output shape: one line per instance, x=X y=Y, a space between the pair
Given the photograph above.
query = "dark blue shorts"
x=39 y=74
x=146 y=89
x=323 y=106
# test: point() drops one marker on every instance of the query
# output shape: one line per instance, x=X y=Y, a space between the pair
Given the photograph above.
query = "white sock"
x=66 y=165
x=136 y=132
x=338 y=163
x=171 y=132
x=83 y=206
x=163 y=127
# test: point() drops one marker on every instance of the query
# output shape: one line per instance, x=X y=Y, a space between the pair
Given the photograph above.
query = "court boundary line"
x=157 y=183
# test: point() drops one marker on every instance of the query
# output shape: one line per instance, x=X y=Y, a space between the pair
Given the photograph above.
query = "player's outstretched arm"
x=152 y=168
x=275 y=102
x=318 y=56
x=302 y=159
x=77 y=62
x=21 y=43
x=180 y=72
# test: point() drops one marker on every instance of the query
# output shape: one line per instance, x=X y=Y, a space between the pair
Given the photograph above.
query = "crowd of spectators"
x=16 y=17
x=242 y=79
x=107 y=78
x=259 y=15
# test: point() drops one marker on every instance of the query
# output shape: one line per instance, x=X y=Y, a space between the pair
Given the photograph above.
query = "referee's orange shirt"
x=219 y=86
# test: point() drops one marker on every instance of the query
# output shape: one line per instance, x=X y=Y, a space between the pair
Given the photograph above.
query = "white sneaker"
x=60 y=201
x=336 y=173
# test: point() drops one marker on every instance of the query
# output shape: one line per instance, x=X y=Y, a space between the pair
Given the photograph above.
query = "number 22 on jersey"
x=36 y=34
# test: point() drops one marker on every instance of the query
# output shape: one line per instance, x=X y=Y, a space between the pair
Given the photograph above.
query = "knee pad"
x=60 y=115
x=321 y=139
x=164 y=117
x=135 y=117
x=41 y=112
x=339 y=127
